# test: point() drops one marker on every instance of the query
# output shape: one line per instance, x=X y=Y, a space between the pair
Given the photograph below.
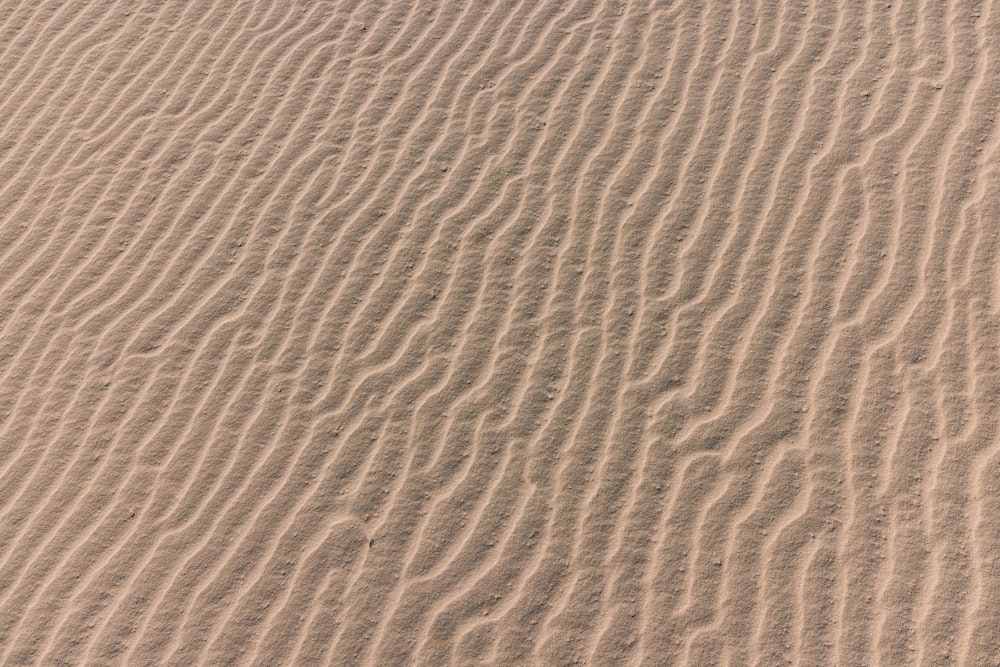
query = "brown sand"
x=508 y=333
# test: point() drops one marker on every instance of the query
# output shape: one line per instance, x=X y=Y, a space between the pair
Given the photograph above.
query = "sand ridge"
x=499 y=333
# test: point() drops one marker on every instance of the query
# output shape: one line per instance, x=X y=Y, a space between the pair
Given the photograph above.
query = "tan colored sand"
x=499 y=333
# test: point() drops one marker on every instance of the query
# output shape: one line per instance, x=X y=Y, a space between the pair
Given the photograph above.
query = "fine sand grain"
x=507 y=332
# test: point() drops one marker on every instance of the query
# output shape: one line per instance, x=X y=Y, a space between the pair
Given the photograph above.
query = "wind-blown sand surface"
x=506 y=333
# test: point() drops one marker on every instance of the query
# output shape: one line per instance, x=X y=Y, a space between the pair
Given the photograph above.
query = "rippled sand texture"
x=506 y=333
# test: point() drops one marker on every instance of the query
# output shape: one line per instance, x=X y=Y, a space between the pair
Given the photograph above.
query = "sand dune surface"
x=604 y=332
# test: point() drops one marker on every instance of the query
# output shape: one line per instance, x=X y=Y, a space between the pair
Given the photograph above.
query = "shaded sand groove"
x=519 y=333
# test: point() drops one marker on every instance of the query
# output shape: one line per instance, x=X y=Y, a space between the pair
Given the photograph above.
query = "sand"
x=499 y=333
